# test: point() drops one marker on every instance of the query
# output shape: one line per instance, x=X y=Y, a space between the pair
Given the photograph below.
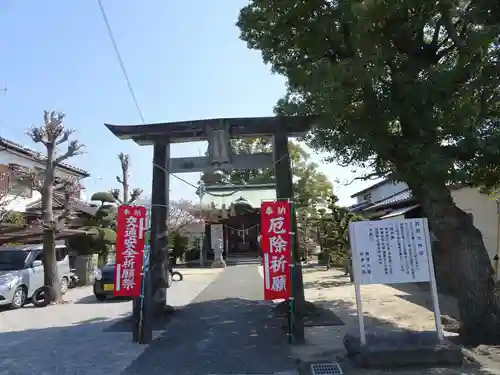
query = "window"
x=39 y=256
x=60 y=254
x=367 y=197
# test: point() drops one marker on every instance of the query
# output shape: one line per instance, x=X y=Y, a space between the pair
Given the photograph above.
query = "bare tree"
x=52 y=133
x=123 y=180
x=180 y=214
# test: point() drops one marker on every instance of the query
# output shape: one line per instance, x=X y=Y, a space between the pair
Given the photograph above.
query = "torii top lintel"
x=187 y=131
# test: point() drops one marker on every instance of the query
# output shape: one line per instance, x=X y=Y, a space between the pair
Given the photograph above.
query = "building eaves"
x=400 y=197
x=58 y=203
x=374 y=186
x=37 y=156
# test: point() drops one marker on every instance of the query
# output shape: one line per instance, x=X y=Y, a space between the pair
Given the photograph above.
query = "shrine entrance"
x=237 y=208
x=220 y=157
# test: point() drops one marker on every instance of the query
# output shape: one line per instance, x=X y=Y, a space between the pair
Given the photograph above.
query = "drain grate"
x=329 y=368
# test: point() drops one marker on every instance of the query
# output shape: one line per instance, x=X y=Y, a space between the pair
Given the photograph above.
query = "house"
x=390 y=199
x=22 y=198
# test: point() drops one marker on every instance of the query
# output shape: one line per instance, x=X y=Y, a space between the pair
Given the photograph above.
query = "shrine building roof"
x=251 y=195
x=188 y=131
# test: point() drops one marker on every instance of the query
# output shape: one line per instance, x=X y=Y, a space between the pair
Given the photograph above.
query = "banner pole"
x=292 y=265
x=145 y=265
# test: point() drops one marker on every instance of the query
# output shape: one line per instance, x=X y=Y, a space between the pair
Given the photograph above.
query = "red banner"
x=276 y=248
x=130 y=241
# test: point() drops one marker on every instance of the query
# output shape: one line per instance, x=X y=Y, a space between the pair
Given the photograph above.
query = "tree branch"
x=116 y=194
x=65 y=137
x=38 y=135
x=450 y=28
x=370 y=176
x=74 y=148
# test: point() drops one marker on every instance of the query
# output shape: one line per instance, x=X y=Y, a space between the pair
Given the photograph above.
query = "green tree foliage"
x=333 y=229
x=102 y=232
x=14 y=217
x=409 y=88
x=310 y=186
x=179 y=244
x=103 y=197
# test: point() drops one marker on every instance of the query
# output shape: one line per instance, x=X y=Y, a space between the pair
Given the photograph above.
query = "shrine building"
x=232 y=216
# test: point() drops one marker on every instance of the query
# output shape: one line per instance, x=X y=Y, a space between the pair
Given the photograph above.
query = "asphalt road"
x=226 y=329
x=75 y=338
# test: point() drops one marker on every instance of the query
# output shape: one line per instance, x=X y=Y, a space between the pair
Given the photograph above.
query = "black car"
x=104 y=282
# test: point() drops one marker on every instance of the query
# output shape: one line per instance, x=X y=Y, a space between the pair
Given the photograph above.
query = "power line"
x=129 y=84
x=120 y=60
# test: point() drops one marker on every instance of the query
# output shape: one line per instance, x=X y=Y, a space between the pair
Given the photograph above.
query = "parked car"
x=21 y=273
x=104 y=282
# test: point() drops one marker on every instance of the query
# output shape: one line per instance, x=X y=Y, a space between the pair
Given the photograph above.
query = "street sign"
x=276 y=244
x=391 y=252
x=130 y=241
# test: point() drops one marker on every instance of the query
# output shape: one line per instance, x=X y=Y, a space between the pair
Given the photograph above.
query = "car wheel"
x=64 y=285
x=179 y=275
x=100 y=297
x=169 y=280
x=40 y=295
x=19 y=298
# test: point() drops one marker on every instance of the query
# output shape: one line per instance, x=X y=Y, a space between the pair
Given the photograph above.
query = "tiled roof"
x=58 y=203
x=358 y=207
x=34 y=155
x=402 y=196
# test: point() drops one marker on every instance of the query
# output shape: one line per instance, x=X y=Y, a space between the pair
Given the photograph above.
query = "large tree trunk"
x=51 y=279
x=469 y=264
x=50 y=274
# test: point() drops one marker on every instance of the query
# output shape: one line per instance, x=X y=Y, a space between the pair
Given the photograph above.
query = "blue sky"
x=185 y=61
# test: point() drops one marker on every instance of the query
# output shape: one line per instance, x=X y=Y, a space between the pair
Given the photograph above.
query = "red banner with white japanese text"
x=276 y=248
x=130 y=241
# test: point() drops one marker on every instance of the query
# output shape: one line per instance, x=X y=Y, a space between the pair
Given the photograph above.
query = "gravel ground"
x=393 y=306
x=69 y=338
x=227 y=329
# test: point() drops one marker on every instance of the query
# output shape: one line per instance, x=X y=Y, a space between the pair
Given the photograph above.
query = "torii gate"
x=218 y=133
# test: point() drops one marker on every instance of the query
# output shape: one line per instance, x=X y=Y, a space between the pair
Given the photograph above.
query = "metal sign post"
x=433 y=285
x=357 y=288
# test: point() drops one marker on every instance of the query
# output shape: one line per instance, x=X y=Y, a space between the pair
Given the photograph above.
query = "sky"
x=184 y=59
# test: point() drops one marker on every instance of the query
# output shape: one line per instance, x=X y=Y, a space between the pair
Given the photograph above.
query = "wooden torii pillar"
x=221 y=157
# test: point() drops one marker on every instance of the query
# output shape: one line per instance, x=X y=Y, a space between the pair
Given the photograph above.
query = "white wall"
x=20 y=203
x=485 y=215
x=383 y=191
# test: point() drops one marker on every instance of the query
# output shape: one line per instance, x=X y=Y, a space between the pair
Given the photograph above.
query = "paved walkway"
x=227 y=329
x=78 y=338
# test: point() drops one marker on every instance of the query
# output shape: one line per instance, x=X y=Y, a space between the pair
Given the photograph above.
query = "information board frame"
x=432 y=278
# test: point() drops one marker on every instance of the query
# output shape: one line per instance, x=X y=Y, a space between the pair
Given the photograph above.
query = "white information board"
x=390 y=251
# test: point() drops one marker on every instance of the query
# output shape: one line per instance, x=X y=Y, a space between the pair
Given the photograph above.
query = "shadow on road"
x=326 y=343
x=221 y=336
x=327 y=281
x=90 y=300
x=81 y=348
x=420 y=294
